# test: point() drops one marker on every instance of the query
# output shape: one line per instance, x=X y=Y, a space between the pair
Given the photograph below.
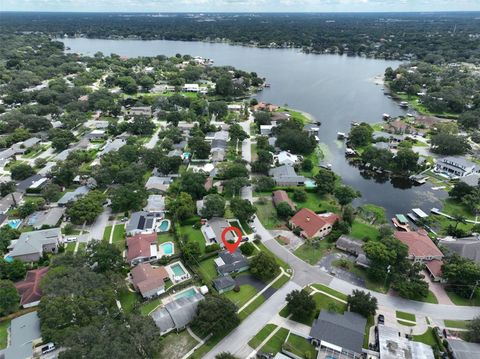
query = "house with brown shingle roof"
x=312 y=224
x=282 y=196
x=422 y=249
x=142 y=248
x=149 y=280
x=29 y=288
x=398 y=127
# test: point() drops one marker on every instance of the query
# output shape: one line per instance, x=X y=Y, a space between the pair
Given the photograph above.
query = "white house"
x=286 y=158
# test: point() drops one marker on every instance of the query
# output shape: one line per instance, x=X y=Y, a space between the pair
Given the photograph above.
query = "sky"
x=239 y=5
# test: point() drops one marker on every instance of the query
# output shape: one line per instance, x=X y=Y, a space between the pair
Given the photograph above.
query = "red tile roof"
x=139 y=245
x=29 y=289
x=282 y=196
x=147 y=278
x=435 y=267
x=419 y=244
x=311 y=223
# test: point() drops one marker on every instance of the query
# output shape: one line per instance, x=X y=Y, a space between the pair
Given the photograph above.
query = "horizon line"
x=241 y=12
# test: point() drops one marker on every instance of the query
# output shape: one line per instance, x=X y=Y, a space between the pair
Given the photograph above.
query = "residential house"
x=393 y=345
x=112 y=146
x=31 y=245
x=312 y=129
x=472 y=179
x=62 y=156
x=155 y=204
x=217 y=155
x=47 y=218
x=281 y=196
x=230 y=263
x=339 y=334
x=455 y=166
x=73 y=196
x=312 y=224
x=177 y=314
x=262 y=106
x=9 y=201
x=398 y=127
x=460 y=349
x=428 y=121
x=160 y=184
x=24 y=336
x=279 y=117
x=180 y=146
x=33 y=183
x=191 y=88
x=353 y=247
x=142 y=222
x=142 y=248
x=422 y=249
x=468 y=247
x=224 y=284
x=149 y=280
x=29 y=288
x=266 y=130
x=97 y=134
x=139 y=111
x=212 y=231
x=22 y=147
x=286 y=158
x=286 y=176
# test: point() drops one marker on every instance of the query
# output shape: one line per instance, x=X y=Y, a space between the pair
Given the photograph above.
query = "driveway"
x=437 y=289
x=98 y=227
x=325 y=264
x=295 y=241
x=256 y=283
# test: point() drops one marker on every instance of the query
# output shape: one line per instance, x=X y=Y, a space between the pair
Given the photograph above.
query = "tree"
x=225 y=355
x=237 y=133
x=345 y=194
x=141 y=126
x=264 y=184
x=247 y=248
x=406 y=160
x=7 y=188
x=307 y=164
x=472 y=200
x=449 y=144
x=296 y=141
x=14 y=270
x=215 y=315
x=410 y=283
x=242 y=208
x=348 y=214
x=362 y=303
x=7 y=234
x=300 y=304
x=264 y=267
x=87 y=209
x=51 y=192
x=234 y=185
x=234 y=170
x=27 y=209
x=461 y=274
x=61 y=139
x=325 y=181
x=458 y=218
x=360 y=135
x=460 y=190
x=103 y=257
x=181 y=206
x=213 y=206
x=224 y=86
x=473 y=333
x=193 y=184
x=130 y=197
x=284 y=210
x=199 y=147
x=9 y=298
x=191 y=251
x=299 y=195
x=21 y=171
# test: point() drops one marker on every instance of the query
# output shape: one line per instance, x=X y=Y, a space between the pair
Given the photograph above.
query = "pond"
x=336 y=90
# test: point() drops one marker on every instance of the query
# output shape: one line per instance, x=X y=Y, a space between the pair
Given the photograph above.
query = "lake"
x=334 y=89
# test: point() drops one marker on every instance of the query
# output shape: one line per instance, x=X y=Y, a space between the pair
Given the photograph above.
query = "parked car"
x=50 y=347
x=70 y=239
x=381 y=319
x=244 y=239
x=439 y=332
x=262 y=355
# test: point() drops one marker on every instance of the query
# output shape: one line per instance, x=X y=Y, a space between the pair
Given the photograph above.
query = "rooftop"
x=29 y=288
x=394 y=346
x=147 y=278
x=310 y=222
x=419 y=244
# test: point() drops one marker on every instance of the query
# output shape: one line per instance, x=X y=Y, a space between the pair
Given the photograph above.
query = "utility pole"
x=474 y=289
x=386 y=277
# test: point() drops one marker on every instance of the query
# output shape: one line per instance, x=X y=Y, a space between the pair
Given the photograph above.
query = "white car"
x=70 y=239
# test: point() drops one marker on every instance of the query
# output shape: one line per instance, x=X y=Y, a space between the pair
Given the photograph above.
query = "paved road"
x=236 y=341
x=98 y=227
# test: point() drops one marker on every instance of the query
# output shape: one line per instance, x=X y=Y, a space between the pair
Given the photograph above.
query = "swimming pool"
x=186 y=294
x=164 y=225
x=8 y=259
x=14 y=223
x=310 y=184
x=177 y=270
x=167 y=248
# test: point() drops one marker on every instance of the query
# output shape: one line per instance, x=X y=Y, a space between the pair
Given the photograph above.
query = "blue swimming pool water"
x=167 y=248
x=14 y=223
x=8 y=259
x=177 y=270
x=187 y=294
x=164 y=225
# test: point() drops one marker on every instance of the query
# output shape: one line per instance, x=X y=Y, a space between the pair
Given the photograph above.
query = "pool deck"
x=177 y=279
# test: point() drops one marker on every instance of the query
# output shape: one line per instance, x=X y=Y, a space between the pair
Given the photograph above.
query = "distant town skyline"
x=240 y=5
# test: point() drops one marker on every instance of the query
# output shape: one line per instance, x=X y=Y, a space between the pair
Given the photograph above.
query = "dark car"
x=381 y=319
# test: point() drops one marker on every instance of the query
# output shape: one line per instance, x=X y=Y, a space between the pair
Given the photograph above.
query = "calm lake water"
x=334 y=89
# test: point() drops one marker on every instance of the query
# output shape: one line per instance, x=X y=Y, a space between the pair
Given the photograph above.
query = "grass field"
x=458 y=300
x=430 y=298
x=280 y=262
x=426 y=338
x=312 y=253
x=330 y=291
x=118 y=238
x=456 y=323
x=146 y=308
x=267 y=214
x=274 y=345
x=317 y=203
x=243 y=296
x=299 y=346
x=364 y=231
x=366 y=335
x=106 y=233
x=453 y=207
x=207 y=269
x=193 y=234
x=128 y=300
x=252 y=307
x=405 y=316
x=4 y=333
x=261 y=335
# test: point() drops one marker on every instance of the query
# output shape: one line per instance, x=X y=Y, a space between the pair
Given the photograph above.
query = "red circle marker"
x=231 y=247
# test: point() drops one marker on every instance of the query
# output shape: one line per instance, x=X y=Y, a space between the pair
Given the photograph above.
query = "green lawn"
x=70 y=248
x=128 y=300
x=426 y=338
x=317 y=203
x=118 y=238
x=106 y=233
x=456 y=323
x=261 y=335
x=330 y=291
x=207 y=270
x=280 y=281
x=146 y=308
x=193 y=234
x=246 y=293
x=274 y=345
x=372 y=211
x=363 y=231
x=458 y=300
x=299 y=346
x=406 y=316
x=4 y=333
x=454 y=207
x=312 y=253
x=267 y=214
x=366 y=335
x=176 y=345
x=430 y=298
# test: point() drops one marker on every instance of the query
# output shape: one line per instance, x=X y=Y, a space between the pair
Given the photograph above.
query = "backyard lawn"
x=176 y=345
x=261 y=335
x=4 y=333
x=274 y=345
x=426 y=338
x=362 y=230
x=267 y=214
x=193 y=234
x=317 y=203
x=128 y=300
x=312 y=253
x=118 y=238
x=207 y=269
x=146 y=308
x=243 y=296
x=299 y=346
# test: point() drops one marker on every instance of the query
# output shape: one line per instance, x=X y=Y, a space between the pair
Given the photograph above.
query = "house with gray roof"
x=472 y=179
x=468 y=247
x=24 y=336
x=34 y=182
x=73 y=196
x=213 y=228
x=177 y=314
x=142 y=222
x=354 y=247
x=31 y=245
x=455 y=166
x=339 y=333
x=112 y=146
x=10 y=200
x=224 y=284
x=62 y=156
x=155 y=203
x=460 y=349
x=230 y=263
x=157 y=183
x=286 y=176
x=5 y=156
x=49 y=218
